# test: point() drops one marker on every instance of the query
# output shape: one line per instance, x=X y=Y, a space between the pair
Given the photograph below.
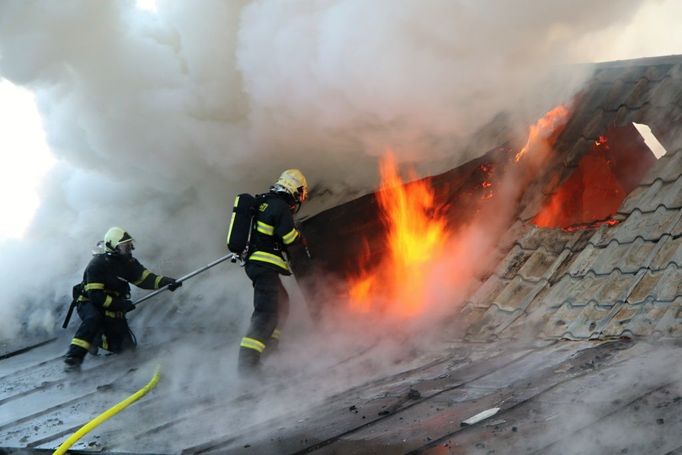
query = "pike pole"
x=233 y=257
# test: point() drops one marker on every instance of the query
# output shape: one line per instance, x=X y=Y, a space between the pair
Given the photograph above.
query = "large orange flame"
x=395 y=280
x=416 y=234
x=545 y=130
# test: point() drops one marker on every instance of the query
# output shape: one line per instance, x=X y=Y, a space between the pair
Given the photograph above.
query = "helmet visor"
x=302 y=193
x=125 y=247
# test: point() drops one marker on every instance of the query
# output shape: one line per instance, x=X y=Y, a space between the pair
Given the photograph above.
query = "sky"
x=25 y=159
x=152 y=115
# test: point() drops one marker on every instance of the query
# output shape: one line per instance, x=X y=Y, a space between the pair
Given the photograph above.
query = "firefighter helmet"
x=115 y=237
x=293 y=182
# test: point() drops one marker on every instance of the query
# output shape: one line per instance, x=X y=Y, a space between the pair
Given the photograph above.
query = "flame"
x=487 y=184
x=549 y=125
x=605 y=175
x=416 y=238
x=591 y=193
x=416 y=234
x=610 y=222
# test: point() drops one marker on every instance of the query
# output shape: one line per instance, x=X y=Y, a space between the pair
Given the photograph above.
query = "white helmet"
x=114 y=237
x=293 y=182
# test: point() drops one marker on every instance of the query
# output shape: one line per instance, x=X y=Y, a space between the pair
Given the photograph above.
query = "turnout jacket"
x=273 y=232
x=106 y=278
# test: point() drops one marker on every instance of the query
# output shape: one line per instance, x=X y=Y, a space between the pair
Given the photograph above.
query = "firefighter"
x=273 y=232
x=104 y=298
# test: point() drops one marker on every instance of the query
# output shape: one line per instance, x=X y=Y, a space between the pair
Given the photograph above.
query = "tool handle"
x=186 y=277
x=68 y=314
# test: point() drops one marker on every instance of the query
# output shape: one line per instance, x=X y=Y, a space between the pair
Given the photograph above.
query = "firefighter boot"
x=273 y=343
x=94 y=346
x=249 y=363
x=74 y=358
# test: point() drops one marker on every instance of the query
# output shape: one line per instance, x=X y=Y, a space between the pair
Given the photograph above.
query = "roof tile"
x=665 y=91
x=648 y=198
x=588 y=322
x=636 y=320
x=626 y=115
x=670 y=252
x=597 y=125
x=675 y=71
x=516 y=295
x=658 y=72
x=484 y=296
x=667 y=168
x=670 y=324
x=542 y=264
x=649 y=225
x=627 y=258
x=660 y=285
x=640 y=93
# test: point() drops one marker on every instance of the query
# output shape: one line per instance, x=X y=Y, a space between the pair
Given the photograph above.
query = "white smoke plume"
x=158 y=119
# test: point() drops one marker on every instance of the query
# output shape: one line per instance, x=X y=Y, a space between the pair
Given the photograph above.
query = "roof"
x=614 y=291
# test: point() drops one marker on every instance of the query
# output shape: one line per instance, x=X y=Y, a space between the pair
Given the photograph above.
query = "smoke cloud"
x=158 y=119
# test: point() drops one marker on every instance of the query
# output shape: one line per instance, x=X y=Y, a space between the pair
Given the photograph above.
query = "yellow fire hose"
x=106 y=415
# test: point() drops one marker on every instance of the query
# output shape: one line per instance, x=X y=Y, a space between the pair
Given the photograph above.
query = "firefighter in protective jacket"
x=273 y=232
x=104 y=298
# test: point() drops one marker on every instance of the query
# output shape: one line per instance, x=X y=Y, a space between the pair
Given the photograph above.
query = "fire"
x=487 y=171
x=589 y=226
x=360 y=293
x=547 y=127
x=416 y=234
x=605 y=175
x=591 y=193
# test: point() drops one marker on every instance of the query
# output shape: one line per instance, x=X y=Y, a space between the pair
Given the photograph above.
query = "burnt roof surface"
x=600 y=287
x=617 y=280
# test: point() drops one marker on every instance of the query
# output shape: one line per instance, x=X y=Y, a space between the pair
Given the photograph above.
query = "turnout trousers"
x=104 y=329
x=270 y=310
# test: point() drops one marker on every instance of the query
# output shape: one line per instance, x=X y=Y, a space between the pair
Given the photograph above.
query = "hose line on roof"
x=85 y=429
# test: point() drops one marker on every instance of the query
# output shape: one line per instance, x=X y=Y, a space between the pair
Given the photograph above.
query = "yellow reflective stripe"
x=114 y=314
x=290 y=237
x=157 y=281
x=105 y=342
x=229 y=231
x=107 y=302
x=145 y=274
x=265 y=228
x=252 y=343
x=276 y=334
x=94 y=286
x=262 y=256
x=81 y=343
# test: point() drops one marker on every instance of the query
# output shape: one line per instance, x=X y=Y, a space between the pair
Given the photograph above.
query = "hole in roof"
x=588 y=198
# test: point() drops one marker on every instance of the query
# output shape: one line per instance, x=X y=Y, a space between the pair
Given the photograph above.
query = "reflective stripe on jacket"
x=106 y=278
x=273 y=231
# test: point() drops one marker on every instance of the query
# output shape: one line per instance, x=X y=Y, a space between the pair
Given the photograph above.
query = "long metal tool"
x=233 y=257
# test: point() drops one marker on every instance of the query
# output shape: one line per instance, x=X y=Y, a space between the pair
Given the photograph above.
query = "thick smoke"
x=158 y=119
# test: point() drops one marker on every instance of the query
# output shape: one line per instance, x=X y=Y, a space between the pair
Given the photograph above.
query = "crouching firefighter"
x=103 y=300
x=272 y=232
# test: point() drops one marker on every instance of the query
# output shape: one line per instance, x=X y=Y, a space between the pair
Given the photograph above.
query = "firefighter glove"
x=172 y=283
x=127 y=305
